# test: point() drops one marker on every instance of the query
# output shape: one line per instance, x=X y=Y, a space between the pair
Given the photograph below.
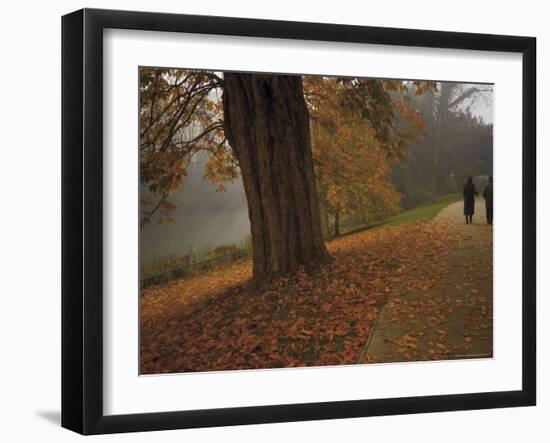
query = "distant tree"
x=454 y=100
x=453 y=143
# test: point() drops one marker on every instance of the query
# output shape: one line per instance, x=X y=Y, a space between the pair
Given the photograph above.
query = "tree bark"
x=337 y=223
x=266 y=122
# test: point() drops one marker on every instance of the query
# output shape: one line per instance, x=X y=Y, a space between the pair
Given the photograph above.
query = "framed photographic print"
x=270 y=221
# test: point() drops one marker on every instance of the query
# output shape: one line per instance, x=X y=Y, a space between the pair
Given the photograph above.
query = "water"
x=199 y=230
x=203 y=218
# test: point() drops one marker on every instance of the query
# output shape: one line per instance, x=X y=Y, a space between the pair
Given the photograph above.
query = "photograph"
x=292 y=220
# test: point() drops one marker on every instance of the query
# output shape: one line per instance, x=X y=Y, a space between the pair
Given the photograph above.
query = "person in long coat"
x=469 y=194
x=488 y=196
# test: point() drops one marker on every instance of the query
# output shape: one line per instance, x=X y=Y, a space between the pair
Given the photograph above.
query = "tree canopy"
x=358 y=128
x=355 y=137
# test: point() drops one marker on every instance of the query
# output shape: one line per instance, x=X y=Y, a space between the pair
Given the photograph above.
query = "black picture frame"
x=82 y=218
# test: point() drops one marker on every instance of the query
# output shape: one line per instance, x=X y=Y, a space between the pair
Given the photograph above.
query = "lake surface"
x=203 y=218
x=194 y=230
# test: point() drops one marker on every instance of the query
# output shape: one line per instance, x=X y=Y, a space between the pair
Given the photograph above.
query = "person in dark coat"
x=488 y=196
x=469 y=194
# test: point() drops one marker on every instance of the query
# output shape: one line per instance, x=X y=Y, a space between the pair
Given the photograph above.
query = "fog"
x=203 y=218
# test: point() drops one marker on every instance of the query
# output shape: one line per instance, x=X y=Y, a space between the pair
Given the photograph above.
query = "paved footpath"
x=452 y=319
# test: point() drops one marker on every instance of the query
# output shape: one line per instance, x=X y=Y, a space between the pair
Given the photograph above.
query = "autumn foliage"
x=352 y=164
x=359 y=126
x=180 y=115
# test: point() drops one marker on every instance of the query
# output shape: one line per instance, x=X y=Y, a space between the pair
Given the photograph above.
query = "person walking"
x=469 y=194
x=488 y=196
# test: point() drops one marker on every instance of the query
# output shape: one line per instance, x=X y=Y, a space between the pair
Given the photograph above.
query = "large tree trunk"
x=266 y=121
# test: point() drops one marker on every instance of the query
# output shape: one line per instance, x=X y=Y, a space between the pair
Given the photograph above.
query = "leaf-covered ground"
x=214 y=321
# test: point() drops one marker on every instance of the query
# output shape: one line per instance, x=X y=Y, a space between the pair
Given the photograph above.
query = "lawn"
x=425 y=211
